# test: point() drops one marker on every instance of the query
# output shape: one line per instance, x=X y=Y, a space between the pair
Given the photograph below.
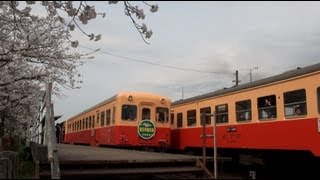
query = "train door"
x=146 y=126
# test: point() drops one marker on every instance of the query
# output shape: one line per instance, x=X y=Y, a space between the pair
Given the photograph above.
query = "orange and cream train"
x=275 y=114
x=128 y=119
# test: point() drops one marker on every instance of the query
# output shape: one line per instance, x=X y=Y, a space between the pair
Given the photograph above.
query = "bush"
x=26 y=170
x=26 y=166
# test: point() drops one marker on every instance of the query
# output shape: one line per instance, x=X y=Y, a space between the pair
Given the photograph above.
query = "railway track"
x=127 y=169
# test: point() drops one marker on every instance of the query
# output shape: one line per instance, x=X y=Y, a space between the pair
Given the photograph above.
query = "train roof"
x=123 y=93
x=283 y=76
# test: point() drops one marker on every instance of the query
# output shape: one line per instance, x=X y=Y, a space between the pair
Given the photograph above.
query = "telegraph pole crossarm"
x=250 y=69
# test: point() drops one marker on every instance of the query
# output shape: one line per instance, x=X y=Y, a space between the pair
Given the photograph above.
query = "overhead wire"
x=152 y=63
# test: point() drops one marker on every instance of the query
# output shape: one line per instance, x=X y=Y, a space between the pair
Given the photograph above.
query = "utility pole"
x=237 y=78
x=215 y=146
x=51 y=141
x=214 y=136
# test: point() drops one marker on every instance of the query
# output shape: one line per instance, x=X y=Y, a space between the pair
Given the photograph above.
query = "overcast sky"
x=216 y=37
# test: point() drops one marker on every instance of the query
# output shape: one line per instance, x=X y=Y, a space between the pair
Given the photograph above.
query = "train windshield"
x=129 y=112
x=162 y=114
x=145 y=113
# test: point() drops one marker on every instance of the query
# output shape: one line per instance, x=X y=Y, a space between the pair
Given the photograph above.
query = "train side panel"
x=299 y=134
x=281 y=131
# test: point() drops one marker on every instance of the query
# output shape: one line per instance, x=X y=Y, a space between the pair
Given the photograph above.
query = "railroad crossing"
x=87 y=161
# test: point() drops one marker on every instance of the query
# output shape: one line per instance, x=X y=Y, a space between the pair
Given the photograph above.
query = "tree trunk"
x=2 y=117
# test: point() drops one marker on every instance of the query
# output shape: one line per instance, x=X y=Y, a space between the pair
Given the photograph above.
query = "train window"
x=146 y=114
x=89 y=121
x=108 y=117
x=179 y=120
x=93 y=119
x=82 y=124
x=267 y=107
x=172 y=118
x=295 y=103
x=243 y=110
x=98 y=117
x=77 y=126
x=222 y=113
x=113 y=114
x=129 y=112
x=204 y=112
x=191 y=117
x=87 y=125
x=92 y=122
x=102 y=118
x=318 y=92
x=162 y=114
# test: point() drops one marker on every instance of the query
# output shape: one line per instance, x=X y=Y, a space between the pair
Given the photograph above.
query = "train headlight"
x=163 y=100
x=130 y=98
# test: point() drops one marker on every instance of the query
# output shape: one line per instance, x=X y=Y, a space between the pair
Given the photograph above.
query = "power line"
x=154 y=64
x=250 y=69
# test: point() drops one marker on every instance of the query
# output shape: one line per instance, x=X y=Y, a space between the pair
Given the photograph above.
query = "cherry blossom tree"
x=34 y=49
x=74 y=14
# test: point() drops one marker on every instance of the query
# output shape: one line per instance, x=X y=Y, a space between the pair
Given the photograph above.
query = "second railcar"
x=255 y=117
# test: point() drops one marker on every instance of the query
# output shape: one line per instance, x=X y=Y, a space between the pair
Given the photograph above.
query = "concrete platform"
x=68 y=152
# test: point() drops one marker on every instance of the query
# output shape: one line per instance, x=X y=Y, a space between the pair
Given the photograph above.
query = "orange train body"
x=253 y=116
x=244 y=119
x=131 y=119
